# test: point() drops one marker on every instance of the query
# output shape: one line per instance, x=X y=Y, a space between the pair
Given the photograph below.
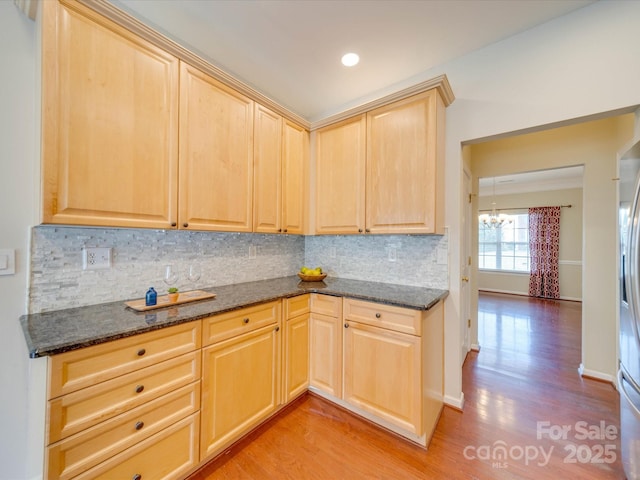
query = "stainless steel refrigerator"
x=629 y=368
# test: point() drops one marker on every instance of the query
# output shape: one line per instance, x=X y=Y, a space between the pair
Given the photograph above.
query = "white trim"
x=475 y=347
x=584 y=372
x=455 y=402
x=493 y=271
x=524 y=294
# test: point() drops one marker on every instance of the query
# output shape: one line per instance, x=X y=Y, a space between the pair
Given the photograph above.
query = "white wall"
x=21 y=408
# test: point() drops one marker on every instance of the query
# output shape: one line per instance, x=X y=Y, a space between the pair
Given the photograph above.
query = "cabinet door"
x=340 y=177
x=216 y=154
x=296 y=356
x=110 y=123
x=295 y=145
x=239 y=386
x=325 y=350
x=382 y=374
x=402 y=172
x=267 y=166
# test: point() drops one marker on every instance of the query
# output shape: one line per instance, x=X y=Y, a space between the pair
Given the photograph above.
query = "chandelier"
x=494 y=219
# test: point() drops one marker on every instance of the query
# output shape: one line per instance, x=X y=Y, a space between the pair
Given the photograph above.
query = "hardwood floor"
x=525 y=373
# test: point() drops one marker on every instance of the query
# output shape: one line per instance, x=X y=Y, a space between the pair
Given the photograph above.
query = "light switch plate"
x=7 y=261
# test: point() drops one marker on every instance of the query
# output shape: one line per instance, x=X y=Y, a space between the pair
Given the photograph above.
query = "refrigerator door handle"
x=624 y=393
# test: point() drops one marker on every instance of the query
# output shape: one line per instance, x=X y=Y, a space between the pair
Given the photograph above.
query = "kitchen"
x=489 y=102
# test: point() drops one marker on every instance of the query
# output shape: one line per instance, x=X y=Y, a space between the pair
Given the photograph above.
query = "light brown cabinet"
x=240 y=374
x=110 y=123
x=105 y=401
x=216 y=155
x=393 y=365
x=383 y=172
x=340 y=177
x=295 y=347
x=280 y=157
x=325 y=366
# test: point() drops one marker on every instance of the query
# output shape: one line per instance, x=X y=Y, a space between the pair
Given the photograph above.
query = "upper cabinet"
x=383 y=171
x=280 y=158
x=216 y=155
x=340 y=177
x=110 y=123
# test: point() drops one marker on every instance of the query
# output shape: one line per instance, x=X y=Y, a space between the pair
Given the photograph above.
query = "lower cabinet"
x=240 y=380
x=296 y=347
x=325 y=349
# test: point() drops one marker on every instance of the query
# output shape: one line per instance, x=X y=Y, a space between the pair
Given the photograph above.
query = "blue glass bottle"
x=151 y=297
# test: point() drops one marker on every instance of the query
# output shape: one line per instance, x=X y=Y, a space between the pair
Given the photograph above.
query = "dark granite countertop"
x=59 y=331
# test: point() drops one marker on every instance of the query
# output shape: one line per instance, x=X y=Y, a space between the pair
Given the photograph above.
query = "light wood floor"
x=525 y=373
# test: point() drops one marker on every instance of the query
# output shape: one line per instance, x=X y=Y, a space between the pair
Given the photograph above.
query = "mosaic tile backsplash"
x=139 y=256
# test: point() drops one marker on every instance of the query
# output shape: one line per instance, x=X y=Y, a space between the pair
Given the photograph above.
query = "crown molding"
x=28 y=7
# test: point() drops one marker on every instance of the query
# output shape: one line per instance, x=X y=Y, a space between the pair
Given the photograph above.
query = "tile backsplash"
x=139 y=256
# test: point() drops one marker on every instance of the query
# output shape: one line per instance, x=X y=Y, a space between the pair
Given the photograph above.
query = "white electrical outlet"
x=252 y=251
x=393 y=253
x=94 y=258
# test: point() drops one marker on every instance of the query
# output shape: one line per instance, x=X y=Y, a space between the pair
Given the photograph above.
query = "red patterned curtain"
x=544 y=247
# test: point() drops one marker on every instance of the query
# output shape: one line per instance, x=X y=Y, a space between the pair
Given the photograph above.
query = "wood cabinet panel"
x=168 y=455
x=295 y=147
x=82 y=451
x=382 y=375
x=402 y=169
x=295 y=306
x=267 y=162
x=110 y=123
x=231 y=324
x=326 y=305
x=71 y=371
x=240 y=384
x=340 y=177
x=325 y=351
x=296 y=356
x=216 y=155
x=85 y=408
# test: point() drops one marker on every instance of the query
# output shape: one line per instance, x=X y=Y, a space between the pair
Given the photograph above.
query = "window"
x=507 y=247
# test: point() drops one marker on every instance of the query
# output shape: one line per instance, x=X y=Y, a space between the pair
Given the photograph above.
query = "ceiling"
x=538 y=181
x=290 y=50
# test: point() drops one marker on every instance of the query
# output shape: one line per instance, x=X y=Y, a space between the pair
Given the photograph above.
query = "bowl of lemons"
x=311 y=274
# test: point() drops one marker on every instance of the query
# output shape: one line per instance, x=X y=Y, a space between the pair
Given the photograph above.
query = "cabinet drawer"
x=78 y=453
x=168 y=455
x=227 y=325
x=380 y=315
x=76 y=411
x=296 y=306
x=326 y=305
x=77 y=369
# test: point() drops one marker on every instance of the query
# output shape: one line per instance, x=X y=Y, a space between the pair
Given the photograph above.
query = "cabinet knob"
x=359 y=230
x=277 y=329
x=173 y=224
x=139 y=388
x=346 y=325
x=185 y=225
x=139 y=425
x=245 y=320
x=141 y=352
x=285 y=230
x=137 y=476
x=366 y=230
x=279 y=230
x=378 y=315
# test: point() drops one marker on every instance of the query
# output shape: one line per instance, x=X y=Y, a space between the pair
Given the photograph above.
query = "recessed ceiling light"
x=350 y=59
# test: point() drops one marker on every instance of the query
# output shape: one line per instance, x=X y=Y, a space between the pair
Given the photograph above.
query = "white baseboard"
x=455 y=402
x=475 y=347
x=585 y=372
x=523 y=294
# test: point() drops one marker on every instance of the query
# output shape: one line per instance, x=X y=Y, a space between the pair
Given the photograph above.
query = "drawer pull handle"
x=137 y=476
x=277 y=329
x=141 y=352
x=378 y=315
x=346 y=325
x=139 y=425
x=245 y=320
x=139 y=388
